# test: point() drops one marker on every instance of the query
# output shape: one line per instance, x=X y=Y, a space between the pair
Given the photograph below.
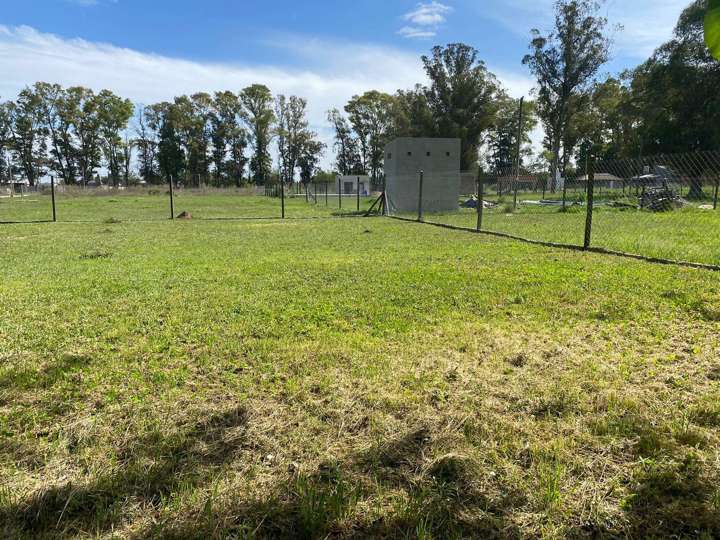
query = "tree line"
x=669 y=103
x=223 y=139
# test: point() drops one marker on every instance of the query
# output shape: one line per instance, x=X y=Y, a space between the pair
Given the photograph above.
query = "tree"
x=147 y=125
x=502 y=138
x=676 y=94
x=291 y=132
x=462 y=97
x=565 y=63
x=228 y=138
x=57 y=114
x=371 y=116
x=83 y=116
x=346 y=145
x=412 y=114
x=170 y=153
x=27 y=134
x=6 y=164
x=114 y=114
x=310 y=152
x=258 y=115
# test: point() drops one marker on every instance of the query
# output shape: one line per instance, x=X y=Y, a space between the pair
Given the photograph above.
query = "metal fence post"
x=52 y=194
x=326 y=194
x=515 y=190
x=358 y=194
x=339 y=193
x=564 y=192
x=420 y=198
x=589 y=216
x=480 y=202
x=172 y=199
x=282 y=199
x=715 y=197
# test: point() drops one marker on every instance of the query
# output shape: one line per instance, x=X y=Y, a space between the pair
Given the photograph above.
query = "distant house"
x=438 y=159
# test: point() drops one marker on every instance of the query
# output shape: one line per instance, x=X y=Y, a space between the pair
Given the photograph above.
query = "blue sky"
x=325 y=51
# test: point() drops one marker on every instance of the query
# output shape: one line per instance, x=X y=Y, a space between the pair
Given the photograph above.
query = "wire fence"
x=661 y=207
x=56 y=202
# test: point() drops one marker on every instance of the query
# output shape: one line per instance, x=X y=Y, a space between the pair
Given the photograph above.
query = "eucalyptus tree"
x=502 y=138
x=565 y=62
x=371 y=117
x=114 y=114
x=258 y=115
x=228 y=139
x=462 y=97
x=28 y=136
x=348 y=159
x=291 y=131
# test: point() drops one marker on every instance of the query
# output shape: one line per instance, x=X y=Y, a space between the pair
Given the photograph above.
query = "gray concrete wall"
x=439 y=159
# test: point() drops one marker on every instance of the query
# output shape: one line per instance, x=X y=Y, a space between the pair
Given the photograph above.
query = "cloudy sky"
x=324 y=50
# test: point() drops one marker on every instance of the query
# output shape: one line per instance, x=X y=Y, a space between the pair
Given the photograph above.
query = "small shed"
x=350 y=184
x=438 y=158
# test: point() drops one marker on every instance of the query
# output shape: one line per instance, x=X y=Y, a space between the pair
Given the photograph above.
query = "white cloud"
x=414 y=32
x=336 y=71
x=646 y=24
x=424 y=20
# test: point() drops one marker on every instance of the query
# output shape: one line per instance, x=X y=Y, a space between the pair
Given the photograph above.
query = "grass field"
x=350 y=378
x=689 y=235
x=154 y=205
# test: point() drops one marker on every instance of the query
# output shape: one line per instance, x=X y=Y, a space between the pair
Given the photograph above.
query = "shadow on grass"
x=152 y=469
x=394 y=489
x=442 y=499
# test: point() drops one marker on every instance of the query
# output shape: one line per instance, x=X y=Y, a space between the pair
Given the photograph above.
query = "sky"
x=325 y=51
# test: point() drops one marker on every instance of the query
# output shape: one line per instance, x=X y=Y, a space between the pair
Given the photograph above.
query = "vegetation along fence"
x=660 y=207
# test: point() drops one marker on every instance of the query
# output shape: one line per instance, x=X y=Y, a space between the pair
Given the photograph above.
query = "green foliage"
x=712 y=28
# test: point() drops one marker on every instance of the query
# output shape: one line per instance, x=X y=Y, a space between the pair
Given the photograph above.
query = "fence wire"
x=662 y=206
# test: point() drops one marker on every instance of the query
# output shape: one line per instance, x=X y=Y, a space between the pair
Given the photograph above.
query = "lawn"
x=349 y=378
x=689 y=234
x=154 y=205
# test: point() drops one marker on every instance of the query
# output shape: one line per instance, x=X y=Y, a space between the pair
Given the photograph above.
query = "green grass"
x=154 y=205
x=688 y=234
x=349 y=378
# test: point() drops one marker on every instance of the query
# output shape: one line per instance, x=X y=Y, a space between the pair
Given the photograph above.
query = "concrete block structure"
x=350 y=184
x=439 y=159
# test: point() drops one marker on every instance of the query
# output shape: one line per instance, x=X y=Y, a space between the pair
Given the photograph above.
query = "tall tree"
x=502 y=139
x=28 y=135
x=309 y=154
x=147 y=126
x=565 y=62
x=371 y=116
x=170 y=153
x=346 y=145
x=228 y=138
x=291 y=131
x=114 y=114
x=258 y=114
x=461 y=97
x=412 y=114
